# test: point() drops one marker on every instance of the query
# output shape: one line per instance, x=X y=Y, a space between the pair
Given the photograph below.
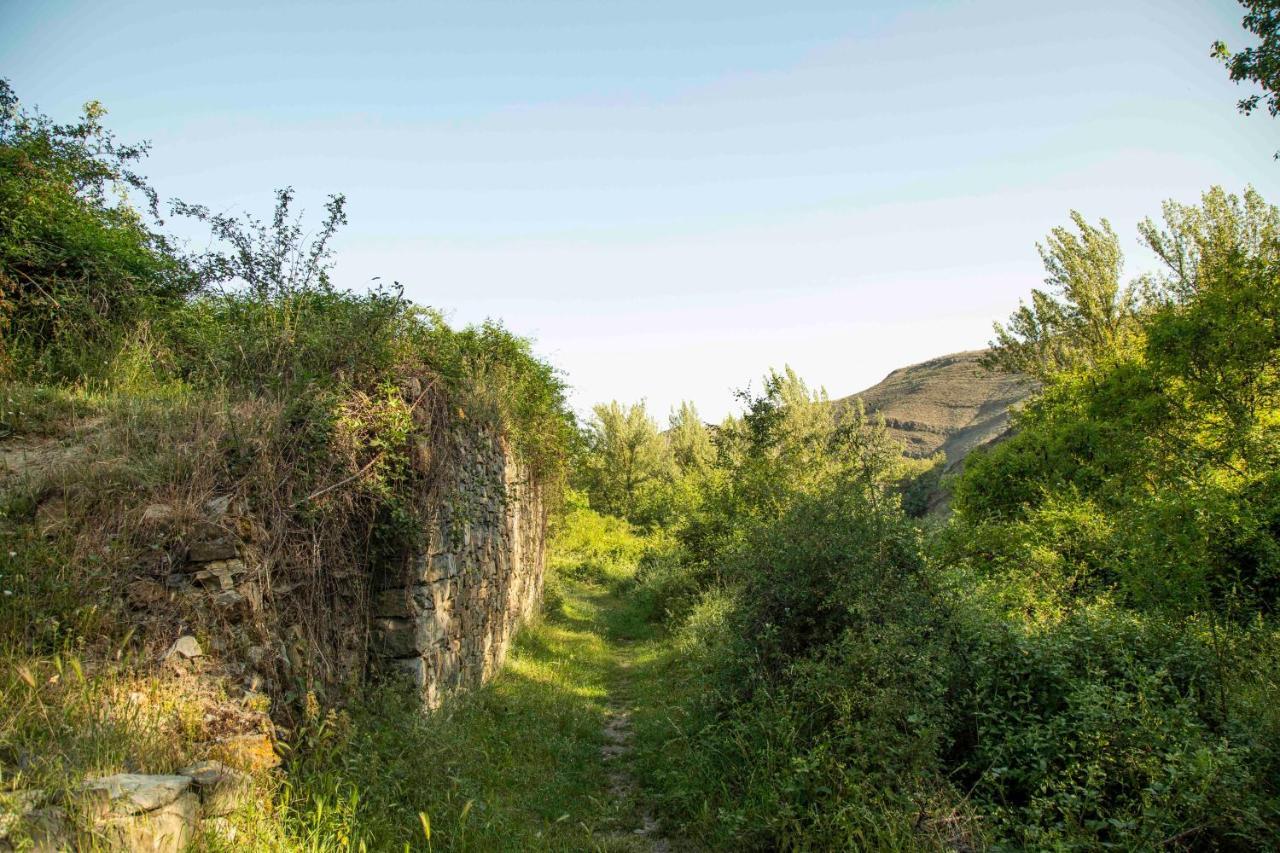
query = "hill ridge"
x=950 y=403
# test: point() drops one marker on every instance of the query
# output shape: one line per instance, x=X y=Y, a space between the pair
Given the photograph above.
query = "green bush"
x=79 y=264
x=1102 y=728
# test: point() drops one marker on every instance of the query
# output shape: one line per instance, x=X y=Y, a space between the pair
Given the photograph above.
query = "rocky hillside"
x=950 y=404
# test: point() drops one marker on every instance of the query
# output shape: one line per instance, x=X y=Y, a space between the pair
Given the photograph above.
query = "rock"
x=208 y=550
x=25 y=825
x=393 y=604
x=157 y=514
x=231 y=602
x=438 y=567
x=398 y=638
x=415 y=669
x=184 y=647
x=145 y=593
x=224 y=829
x=216 y=507
x=221 y=789
x=139 y=812
x=251 y=753
x=220 y=574
x=134 y=793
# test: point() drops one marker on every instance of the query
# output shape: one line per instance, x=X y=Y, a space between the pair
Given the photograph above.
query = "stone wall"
x=448 y=620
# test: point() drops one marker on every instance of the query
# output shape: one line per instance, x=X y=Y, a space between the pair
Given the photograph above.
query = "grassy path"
x=539 y=759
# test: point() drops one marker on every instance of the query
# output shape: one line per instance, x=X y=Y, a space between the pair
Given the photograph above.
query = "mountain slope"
x=950 y=404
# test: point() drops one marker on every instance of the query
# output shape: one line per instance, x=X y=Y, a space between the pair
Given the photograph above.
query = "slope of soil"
x=950 y=404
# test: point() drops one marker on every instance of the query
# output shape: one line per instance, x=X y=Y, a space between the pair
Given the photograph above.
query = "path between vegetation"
x=616 y=753
x=634 y=826
x=548 y=751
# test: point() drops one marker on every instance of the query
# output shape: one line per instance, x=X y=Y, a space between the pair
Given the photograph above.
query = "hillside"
x=950 y=404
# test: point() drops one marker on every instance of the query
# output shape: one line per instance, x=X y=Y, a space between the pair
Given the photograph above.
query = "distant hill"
x=950 y=403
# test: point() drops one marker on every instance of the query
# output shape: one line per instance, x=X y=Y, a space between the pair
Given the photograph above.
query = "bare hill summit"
x=951 y=404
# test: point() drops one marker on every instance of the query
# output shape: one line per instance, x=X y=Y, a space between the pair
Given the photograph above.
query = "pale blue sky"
x=670 y=197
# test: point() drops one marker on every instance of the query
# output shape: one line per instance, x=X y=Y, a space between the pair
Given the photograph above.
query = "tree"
x=690 y=442
x=1081 y=320
x=625 y=454
x=1199 y=241
x=80 y=263
x=274 y=261
x=1259 y=64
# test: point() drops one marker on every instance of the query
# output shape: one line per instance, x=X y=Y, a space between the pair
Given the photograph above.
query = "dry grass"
x=99 y=500
x=951 y=404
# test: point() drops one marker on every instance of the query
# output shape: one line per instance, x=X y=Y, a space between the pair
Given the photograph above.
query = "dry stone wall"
x=448 y=621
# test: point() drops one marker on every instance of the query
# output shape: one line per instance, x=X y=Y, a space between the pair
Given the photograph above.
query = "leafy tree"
x=274 y=261
x=1259 y=64
x=626 y=455
x=689 y=439
x=80 y=262
x=1082 y=318
x=1166 y=451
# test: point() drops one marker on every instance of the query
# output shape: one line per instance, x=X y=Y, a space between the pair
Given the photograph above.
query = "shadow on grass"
x=513 y=765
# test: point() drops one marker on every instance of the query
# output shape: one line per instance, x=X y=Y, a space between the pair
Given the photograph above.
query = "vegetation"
x=1256 y=64
x=142 y=386
x=1083 y=655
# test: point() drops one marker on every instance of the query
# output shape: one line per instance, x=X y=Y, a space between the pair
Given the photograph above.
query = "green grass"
x=514 y=765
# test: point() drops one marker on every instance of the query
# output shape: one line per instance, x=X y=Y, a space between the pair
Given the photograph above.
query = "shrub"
x=79 y=263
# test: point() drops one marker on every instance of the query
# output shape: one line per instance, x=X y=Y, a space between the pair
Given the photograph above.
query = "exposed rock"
x=184 y=647
x=210 y=549
x=157 y=514
x=221 y=789
x=133 y=811
x=950 y=404
x=224 y=829
x=215 y=508
x=231 y=602
x=219 y=574
x=394 y=603
x=134 y=793
x=398 y=638
x=26 y=824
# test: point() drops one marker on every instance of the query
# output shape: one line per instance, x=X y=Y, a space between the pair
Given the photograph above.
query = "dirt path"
x=616 y=752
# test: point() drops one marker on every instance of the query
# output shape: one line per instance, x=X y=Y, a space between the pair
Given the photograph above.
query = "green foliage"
x=689 y=439
x=1257 y=64
x=1081 y=659
x=78 y=263
x=588 y=546
x=1102 y=728
x=626 y=460
x=1174 y=442
x=1082 y=319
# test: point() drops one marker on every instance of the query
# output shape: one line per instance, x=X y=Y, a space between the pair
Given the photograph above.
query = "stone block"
x=167 y=829
x=397 y=638
x=439 y=566
x=221 y=789
x=395 y=603
x=414 y=669
x=219 y=574
x=208 y=550
x=431 y=628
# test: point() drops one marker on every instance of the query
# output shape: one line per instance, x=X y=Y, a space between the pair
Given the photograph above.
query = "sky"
x=672 y=197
